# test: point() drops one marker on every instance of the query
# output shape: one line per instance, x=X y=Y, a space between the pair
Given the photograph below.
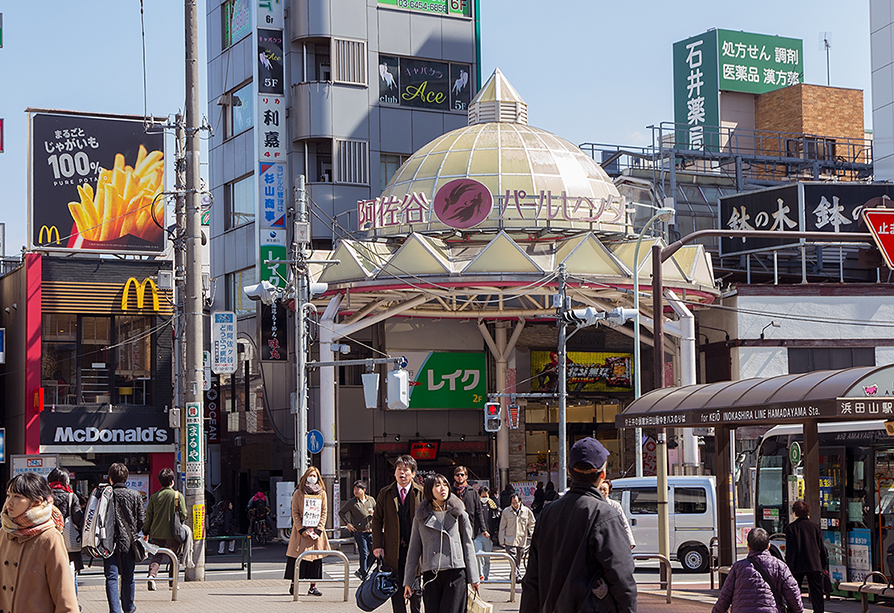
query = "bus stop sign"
x=881 y=223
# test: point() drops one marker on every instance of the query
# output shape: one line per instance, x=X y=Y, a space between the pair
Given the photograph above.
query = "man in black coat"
x=806 y=554
x=580 y=554
x=477 y=516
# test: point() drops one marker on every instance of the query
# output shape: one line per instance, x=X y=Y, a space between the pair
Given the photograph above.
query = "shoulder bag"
x=780 y=602
x=377 y=588
x=71 y=532
x=179 y=529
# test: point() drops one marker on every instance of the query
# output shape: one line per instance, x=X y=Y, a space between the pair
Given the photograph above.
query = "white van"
x=693 y=516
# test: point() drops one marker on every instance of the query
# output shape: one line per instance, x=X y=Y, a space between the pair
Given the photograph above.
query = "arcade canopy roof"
x=827 y=395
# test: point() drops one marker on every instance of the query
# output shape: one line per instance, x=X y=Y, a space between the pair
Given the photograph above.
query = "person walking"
x=516 y=530
x=34 y=565
x=392 y=527
x=506 y=496
x=494 y=513
x=129 y=518
x=357 y=514
x=441 y=545
x=806 y=554
x=579 y=554
x=159 y=524
x=68 y=504
x=605 y=488
x=226 y=522
x=550 y=494
x=539 y=498
x=761 y=583
x=477 y=517
x=309 y=507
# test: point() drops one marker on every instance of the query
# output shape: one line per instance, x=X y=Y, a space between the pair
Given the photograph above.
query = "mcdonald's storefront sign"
x=48 y=232
x=140 y=288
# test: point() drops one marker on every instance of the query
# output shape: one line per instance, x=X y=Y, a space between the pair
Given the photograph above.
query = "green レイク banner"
x=758 y=63
x=448 y=380
x=456 y=8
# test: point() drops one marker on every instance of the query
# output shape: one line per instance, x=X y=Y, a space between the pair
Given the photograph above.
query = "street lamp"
x=663 y=214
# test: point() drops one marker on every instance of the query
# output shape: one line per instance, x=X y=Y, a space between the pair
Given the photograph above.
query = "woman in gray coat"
x=441 y=543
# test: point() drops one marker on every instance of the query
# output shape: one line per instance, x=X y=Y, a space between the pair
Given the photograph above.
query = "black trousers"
x=306 y=569
x=814 y=588
x=445 y=590
x=398 y=604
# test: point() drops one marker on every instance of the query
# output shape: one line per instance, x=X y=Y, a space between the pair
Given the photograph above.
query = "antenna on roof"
x=825 y=43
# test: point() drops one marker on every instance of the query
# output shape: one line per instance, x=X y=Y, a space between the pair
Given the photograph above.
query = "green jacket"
x=160 y=513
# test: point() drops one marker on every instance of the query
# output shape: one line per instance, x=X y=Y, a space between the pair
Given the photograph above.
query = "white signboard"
x=40 y=464
x=313 y=511
x=223 y=342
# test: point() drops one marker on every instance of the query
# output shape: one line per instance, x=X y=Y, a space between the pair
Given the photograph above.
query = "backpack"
x=71 y=534
x=99 y=523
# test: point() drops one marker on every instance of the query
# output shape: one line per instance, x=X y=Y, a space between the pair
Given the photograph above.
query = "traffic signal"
x=492 y=420
x=398 y=390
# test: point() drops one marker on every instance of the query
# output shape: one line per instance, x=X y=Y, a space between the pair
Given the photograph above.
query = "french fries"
x=124 y=200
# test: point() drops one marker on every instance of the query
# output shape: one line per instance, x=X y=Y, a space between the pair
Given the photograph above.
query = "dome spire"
x=497 y=101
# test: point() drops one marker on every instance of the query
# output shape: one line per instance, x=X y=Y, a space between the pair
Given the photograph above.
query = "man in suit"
x=392 y=523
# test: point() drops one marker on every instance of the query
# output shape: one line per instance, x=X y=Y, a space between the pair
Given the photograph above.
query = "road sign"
x=794 y=454
x=315 y=441
x=881 y=224
x=223 y=342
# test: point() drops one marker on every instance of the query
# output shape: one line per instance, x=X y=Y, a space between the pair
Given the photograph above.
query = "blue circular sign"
x=315 y=441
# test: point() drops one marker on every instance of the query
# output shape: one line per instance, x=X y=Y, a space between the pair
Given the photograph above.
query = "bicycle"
x=260 y=528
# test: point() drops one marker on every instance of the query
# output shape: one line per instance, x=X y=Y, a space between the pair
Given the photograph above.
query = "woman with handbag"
x=441 y=544
x=308 y=530
x=72 y=516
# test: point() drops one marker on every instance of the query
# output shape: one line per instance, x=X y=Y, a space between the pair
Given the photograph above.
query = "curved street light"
x=663 y=214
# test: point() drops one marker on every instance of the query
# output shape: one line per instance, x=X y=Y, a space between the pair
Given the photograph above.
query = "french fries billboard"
x=96 y=184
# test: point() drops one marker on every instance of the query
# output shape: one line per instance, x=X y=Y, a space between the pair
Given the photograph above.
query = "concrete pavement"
x=271 y=596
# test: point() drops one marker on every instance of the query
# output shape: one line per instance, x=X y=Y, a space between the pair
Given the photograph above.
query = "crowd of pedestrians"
x=576 y=549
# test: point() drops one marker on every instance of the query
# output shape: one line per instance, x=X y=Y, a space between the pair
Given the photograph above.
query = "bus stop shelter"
x=863 y=393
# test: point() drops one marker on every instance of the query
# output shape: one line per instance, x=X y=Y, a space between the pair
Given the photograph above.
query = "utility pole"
x=562 y=375
x=300 y=235
x=195 y=430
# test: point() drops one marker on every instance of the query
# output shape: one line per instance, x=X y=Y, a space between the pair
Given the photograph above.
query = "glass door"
x=833 y=512
x=884 y=506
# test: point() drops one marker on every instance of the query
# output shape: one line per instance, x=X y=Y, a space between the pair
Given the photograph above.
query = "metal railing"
x=665 y=563
x=151 y=550
x=323 y=553
x=512 y=570
x=246 y=550
x=714 y=558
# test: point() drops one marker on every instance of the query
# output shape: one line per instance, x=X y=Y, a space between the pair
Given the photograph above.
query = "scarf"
x=313 y=490
x=32 y=522
x=58 y=485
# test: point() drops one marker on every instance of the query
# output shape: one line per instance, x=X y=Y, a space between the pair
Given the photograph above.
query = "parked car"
x=692 y=521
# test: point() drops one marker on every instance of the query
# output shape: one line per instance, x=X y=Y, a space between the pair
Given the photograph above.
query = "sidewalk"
x=270 y=595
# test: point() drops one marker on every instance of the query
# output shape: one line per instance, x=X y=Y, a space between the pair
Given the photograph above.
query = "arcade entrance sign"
x=466 y=203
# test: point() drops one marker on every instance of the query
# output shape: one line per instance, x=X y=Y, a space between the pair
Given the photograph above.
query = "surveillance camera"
x=263 y=291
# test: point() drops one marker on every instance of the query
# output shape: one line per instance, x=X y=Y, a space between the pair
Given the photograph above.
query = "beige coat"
x=34 y=575
x=299 y=541
x=516 y=529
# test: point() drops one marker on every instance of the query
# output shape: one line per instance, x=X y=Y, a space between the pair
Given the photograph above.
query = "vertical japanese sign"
x=223 y=342
x=696 y=92
x=271 y=142
x=757 y=63
x=195 y=463
x=212 y=409
x=274 y=337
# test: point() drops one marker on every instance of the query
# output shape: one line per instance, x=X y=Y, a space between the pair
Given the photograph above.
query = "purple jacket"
x=747 y=591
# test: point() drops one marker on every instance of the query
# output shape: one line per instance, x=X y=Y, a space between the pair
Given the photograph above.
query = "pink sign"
x=462 y=203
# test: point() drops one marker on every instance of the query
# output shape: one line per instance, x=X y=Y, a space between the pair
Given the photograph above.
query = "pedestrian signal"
x=492 y=420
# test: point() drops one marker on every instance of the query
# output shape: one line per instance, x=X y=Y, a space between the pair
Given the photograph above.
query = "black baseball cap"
x=588 y=451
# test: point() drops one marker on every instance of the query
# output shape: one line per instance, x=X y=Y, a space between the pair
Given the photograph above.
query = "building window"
x=810 y=359
x=352 y=162
x=241 y=111
x=235 y=18
x=133 y=366
x=388 y=165
x=350 y=61
x=236 y=299
x=239 y=201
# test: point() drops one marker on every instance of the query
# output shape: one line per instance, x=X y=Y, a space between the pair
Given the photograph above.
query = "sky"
x=589 y=70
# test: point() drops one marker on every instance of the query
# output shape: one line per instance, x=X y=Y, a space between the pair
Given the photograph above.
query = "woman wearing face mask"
x=34 y=569
x=308 y=529
x=441 y=544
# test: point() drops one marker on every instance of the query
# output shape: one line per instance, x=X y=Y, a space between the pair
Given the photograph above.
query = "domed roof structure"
x=533 y=179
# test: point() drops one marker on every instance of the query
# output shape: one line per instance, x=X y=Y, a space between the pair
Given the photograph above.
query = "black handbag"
x=377 y=588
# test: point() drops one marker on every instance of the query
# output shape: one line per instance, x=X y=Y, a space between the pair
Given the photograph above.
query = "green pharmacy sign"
x=454 y=380
x=454 y=8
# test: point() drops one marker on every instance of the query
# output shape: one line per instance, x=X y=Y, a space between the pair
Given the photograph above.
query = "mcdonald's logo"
x=50 y=231
x=141 y=293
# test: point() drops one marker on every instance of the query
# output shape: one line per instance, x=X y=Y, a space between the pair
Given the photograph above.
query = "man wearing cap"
x=580 y=555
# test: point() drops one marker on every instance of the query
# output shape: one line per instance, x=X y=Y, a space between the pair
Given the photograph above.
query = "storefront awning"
x=828 y=395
